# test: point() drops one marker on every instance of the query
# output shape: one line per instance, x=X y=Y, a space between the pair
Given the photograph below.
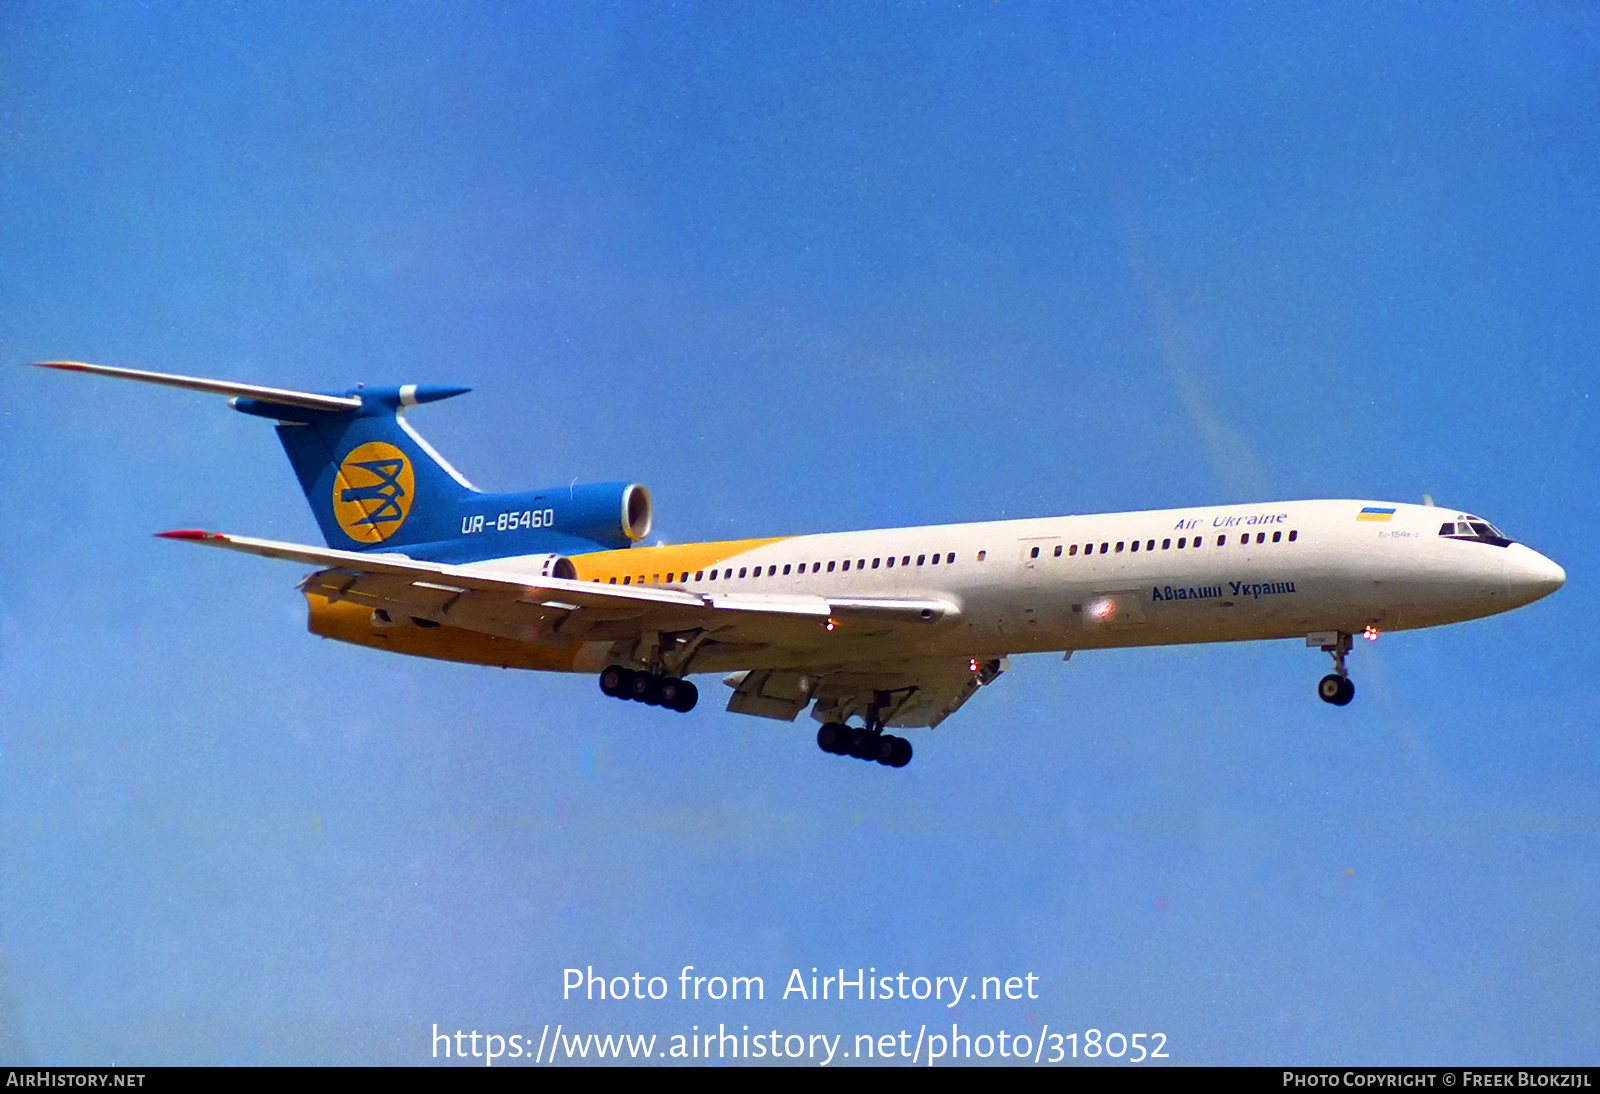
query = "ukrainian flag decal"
x=372 y=492
x=1374 y=512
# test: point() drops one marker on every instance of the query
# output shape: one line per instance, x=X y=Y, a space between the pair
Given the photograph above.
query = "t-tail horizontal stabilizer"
x=303 y=400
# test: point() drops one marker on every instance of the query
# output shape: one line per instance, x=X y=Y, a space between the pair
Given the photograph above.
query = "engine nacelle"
x=608 y=513
x=549 y=566
x=638 y=512
x=559 y=520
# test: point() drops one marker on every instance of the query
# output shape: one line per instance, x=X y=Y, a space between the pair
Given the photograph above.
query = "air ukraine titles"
x=1189 y=524
x=1241 y=589
x=1203 y=592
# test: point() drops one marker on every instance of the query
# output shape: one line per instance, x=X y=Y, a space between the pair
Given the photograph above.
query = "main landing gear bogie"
x=649 y=688
x=839 y=739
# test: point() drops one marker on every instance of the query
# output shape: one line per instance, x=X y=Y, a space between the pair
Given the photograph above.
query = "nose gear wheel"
x=1336 y=689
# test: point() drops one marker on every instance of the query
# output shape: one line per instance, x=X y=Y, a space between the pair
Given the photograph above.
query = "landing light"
x=830 y=624
x=1370 y=634
x=1103 y=608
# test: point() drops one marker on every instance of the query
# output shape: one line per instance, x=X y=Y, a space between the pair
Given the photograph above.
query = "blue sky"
x=798 y=269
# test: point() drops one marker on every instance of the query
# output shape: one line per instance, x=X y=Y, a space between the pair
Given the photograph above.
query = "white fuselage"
x=1210 y=574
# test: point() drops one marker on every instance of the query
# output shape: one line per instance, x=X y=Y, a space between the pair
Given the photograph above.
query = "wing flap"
x=769 y=694
x=908 y=695
x=905 y=695
x=887 y=610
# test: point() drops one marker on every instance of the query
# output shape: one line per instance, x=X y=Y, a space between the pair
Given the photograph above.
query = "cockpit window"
x=1474 y=529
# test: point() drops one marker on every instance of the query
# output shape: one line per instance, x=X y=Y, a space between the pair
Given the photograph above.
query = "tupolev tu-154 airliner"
x=892 y=628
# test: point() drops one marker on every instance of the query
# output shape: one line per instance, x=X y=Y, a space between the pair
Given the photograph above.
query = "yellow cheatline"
x=653 y=564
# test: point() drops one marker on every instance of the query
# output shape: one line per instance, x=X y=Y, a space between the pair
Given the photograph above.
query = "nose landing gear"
x=1336 y=687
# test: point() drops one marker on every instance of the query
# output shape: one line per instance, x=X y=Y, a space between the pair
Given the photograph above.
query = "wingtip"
x=190 y=533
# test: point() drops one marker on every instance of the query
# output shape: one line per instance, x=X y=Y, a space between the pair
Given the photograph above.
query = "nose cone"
x=1530 y=576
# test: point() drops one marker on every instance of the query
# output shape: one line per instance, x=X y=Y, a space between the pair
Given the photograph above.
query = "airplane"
x=891 y=628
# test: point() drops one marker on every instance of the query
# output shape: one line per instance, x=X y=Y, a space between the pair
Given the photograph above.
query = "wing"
x=812 y=648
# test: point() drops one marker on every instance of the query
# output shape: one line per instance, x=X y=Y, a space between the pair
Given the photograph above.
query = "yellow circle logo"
x=372 y=492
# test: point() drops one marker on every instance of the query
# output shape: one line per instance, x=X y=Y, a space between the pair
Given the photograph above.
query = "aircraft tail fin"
x=373 y=483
